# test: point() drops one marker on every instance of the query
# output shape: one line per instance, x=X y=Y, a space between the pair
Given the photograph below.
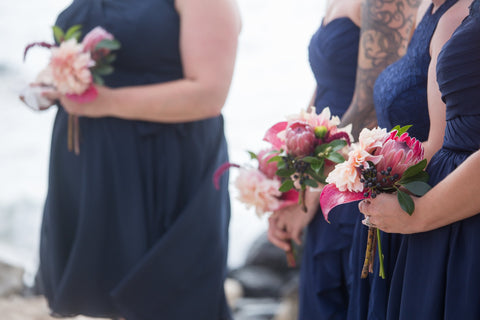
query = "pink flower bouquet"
x=73 y=69
x=381 y=161
x=305 y=144
x=258 y=187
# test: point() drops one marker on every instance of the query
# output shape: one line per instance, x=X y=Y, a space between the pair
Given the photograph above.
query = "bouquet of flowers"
x=381 y=161
x=73 y=69
x=304 y=145
x=258 y=187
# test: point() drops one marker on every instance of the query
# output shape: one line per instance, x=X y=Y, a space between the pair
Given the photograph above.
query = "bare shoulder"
x=228 y=9
x=448 y=23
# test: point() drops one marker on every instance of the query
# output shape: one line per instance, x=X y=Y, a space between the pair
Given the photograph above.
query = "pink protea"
x=94 y=37
x=267 y=168
x=70 y=68
x=300 y=139
x=399 y=153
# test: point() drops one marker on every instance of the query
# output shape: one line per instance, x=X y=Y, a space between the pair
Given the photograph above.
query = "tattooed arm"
x=385 y=32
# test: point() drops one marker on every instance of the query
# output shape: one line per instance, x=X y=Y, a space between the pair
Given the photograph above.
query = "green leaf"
x=309 y=159
x=418 y=188
x=108 y=44
x=337 y=144
x=58 y=34
x=415 y=169
x=97 y=79
x=286 y=186
x=278 y=159
x=335 y=157
x=317 y=166
x=311 y=183
x=401 y=130
x=315 y=176
x=284 y=173
x=322 y=148
x=103 y=70
x=421 y=176
x=253 y=155
x=109 y=59
x=406 y=202
x=74 y=32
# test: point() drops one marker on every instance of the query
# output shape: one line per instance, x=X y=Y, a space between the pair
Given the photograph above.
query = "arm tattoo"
x=384 y=37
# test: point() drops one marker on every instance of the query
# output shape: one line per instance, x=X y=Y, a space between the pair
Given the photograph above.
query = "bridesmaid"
x=401 y=98
x=325 y=263
x=333 y=54
x=133 y=226
x=437 y=275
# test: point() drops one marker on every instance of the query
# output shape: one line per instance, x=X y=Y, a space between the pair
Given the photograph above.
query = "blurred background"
x=272 y=79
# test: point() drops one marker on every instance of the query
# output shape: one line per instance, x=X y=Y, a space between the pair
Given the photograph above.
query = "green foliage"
x=414 y=170
x=317 y=166
x=108 y=44
x=335 y=157
x=103 y=70
x=285 y=173
x=253 y=155
x=406 y=202
x=58 y=34
x=418 y=188
x=74 y=32
x=287 y=185
x=337 y=144
x=97 y=79
x=401 y=130
x=311 y=183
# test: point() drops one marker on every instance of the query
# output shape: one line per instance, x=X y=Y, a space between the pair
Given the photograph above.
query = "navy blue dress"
x=133 y=226
x=437 y=275
x=400 y=96
x=333 y=52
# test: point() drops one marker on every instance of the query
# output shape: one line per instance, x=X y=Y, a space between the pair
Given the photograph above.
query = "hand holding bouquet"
x=258 y=187
x=72 y=71
x=380 y=162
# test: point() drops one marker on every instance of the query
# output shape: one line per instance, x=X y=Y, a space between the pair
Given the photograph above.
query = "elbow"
x=213 y=101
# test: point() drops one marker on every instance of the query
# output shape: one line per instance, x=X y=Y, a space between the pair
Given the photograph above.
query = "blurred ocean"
x=272 y=79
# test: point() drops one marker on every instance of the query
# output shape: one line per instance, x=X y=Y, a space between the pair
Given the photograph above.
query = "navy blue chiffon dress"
x=400 y=97
x=133 y=226
x=333 y=52
x=437 y=275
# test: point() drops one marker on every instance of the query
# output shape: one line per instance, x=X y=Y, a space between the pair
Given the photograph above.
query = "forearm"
x=176 y=101
x=455 y=198
x=385 y=33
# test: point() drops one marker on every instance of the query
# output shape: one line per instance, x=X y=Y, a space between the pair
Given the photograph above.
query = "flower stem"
x=368 y=252
x=301 y=199
x=76 y=135
x=380 y=256
x=290 y=255
x=70 y=133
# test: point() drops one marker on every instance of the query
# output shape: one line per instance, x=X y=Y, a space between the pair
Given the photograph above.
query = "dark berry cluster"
x=374 y=185
x=299 y=166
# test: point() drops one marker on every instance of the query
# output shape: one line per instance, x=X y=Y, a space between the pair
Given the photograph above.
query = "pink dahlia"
x=256 y=190
x=70 y=68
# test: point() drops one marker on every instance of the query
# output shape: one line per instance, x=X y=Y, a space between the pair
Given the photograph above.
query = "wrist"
x=419 y=218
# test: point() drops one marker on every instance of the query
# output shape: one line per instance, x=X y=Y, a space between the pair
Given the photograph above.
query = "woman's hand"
x=384 y=212
x=101 y=106
x=289 y=222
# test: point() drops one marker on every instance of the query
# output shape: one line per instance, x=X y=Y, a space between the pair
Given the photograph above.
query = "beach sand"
x=34 y=308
